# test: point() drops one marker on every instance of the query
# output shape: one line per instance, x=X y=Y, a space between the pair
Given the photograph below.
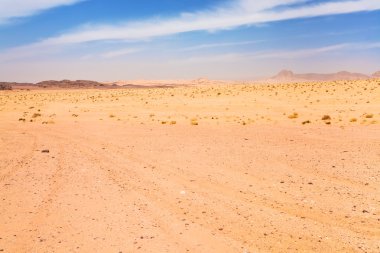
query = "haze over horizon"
x=176 y=39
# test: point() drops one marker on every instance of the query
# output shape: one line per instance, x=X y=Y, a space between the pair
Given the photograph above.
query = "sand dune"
x=226 y=168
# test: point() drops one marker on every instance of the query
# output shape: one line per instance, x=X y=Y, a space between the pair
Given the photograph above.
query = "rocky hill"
x=67 y=84
x=5 y=86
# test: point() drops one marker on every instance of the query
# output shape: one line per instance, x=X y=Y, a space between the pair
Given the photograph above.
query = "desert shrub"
x=48 y=122
x=194 y=122
x=326 y=117
x=293 y=116
x=35 y=115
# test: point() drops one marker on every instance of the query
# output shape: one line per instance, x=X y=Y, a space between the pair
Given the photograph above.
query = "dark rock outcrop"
x=67 y=84
x=5 y=86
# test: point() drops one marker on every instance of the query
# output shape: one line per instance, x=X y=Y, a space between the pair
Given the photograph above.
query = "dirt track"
x=119 y=186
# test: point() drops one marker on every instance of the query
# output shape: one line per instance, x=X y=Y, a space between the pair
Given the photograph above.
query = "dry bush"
x=35 y=115
x=194 y=122
x=293 y=116
x=48 y=122
x=326 y=117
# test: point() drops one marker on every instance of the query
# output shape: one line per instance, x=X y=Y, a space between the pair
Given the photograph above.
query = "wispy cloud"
x=282 y=54
x=120 y=52
x=225 y=44
x=368 y=45
x=237 y=13
x=10 y=9
x=28 y=51
x=302 y=53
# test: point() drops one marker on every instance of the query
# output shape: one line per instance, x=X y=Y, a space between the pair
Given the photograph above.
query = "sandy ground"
x=192 y=169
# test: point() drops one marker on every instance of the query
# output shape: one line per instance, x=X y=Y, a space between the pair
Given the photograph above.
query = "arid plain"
x=222 y=168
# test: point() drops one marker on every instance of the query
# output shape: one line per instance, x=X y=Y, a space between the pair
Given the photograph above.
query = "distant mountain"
x=376 y=74
x=287 y=75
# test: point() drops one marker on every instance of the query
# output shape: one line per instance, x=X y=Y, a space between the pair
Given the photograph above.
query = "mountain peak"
x=284 y=74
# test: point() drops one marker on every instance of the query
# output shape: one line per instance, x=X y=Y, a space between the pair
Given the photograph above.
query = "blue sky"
x=185 y=39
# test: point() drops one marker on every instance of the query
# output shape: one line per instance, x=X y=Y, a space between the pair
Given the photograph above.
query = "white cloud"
x=368 y=45
x=237 y=13
x=20 y=8
x=281 y=54
x=293 y=54
x=223 y=44
x=27 y=51
x=120 y=52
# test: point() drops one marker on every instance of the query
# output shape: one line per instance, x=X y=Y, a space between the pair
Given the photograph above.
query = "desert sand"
x=220 y=168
